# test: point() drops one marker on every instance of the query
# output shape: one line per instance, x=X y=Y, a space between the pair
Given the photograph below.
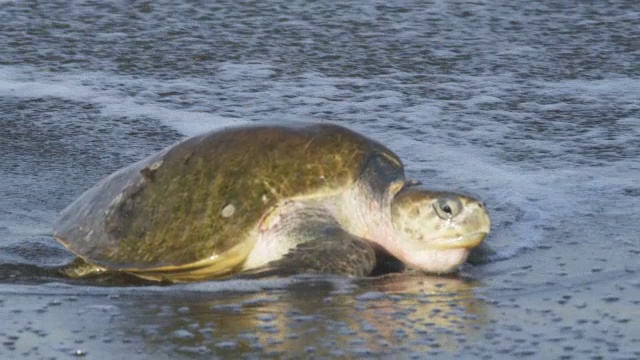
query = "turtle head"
x=435 y=231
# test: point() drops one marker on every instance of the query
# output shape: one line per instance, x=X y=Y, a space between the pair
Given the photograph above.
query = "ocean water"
x=533 y=107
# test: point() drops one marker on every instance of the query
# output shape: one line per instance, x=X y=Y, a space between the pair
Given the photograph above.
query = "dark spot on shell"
x=123 y=209
x=187 y=157
x=148 y=172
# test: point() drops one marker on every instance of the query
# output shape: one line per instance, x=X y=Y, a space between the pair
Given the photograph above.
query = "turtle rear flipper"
x=79 y=268
x=82 y=270
x=331 y=251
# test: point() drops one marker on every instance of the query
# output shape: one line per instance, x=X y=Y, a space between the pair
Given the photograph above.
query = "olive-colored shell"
x=201 y=197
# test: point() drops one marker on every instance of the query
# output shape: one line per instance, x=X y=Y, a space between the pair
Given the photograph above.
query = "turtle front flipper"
x=482 y=254
x=331 y=251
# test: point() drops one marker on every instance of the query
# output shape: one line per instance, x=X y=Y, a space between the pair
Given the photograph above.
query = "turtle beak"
x=467 y=241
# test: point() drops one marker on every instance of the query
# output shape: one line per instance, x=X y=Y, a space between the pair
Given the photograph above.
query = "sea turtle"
x=267 y=200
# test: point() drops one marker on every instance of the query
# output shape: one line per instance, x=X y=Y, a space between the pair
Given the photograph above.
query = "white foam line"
x=596 y=87
x=112 y=101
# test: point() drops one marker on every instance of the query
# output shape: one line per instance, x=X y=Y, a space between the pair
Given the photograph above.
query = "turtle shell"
x=202 y=199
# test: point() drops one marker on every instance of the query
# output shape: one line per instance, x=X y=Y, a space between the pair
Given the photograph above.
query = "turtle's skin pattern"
x=206 y=196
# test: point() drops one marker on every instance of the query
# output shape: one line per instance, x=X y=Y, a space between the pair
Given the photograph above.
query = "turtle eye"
x=447 y=207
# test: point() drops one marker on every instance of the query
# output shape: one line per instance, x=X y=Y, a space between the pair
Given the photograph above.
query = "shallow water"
x=533 y=107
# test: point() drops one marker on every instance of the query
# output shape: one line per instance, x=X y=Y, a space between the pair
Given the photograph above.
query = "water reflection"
x=325 y=317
